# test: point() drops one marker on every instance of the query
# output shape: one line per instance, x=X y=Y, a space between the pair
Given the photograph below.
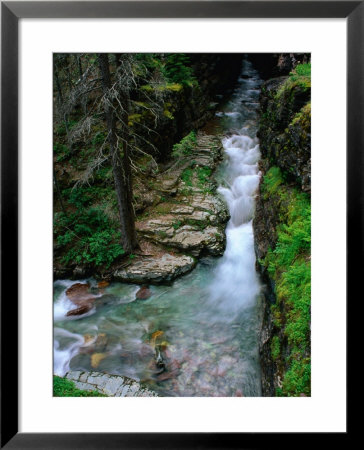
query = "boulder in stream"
x=155 y=270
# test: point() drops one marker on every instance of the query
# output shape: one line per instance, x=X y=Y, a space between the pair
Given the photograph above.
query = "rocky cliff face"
x=285 y=128
x=189 y=107
x=272 y=65
x=282 y=234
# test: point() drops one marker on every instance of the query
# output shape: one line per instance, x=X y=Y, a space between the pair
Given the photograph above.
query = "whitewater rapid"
x=236 y=283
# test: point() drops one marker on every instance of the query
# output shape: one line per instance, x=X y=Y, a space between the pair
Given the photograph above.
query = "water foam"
x=236 y=285
x=66 y=346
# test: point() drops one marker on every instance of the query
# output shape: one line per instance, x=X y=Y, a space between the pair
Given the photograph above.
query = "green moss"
x=168 y=114
x=186 y=176
x=301 y=70
x=142 y=104
x=299 y=80
x=134 y=118
x=288 y=264
x=164 y=208
x=303 y=116
x=275 y=347
x=297 y=379
x=276 y=315
x=172 y=87
x=66 y=388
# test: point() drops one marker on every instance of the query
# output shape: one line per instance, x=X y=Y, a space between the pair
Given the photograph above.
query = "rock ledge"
x=110 y=385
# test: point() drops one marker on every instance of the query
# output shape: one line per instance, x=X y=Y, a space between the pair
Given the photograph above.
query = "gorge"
x=215 y=299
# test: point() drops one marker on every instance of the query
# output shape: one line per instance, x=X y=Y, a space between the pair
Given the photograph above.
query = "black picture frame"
x=11 y=12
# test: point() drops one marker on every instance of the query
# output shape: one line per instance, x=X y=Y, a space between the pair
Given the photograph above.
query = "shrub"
x=186 y=176
x=88 y=237
x=185 y=146
x=203 y=174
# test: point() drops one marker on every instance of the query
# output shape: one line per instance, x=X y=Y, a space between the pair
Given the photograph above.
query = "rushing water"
x=198 y=337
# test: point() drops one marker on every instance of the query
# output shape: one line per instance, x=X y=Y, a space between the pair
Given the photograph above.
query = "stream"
x=199 y=336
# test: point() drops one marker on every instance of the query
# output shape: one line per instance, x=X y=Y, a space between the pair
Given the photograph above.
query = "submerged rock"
x=77 y=290
x=144 y=293
x=80 y=295
x=96 y=358
x=79 y=311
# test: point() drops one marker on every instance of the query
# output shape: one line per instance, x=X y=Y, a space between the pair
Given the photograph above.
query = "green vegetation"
x=301 y=71
x=271 y=182
x=66 y=388
x=177 y=224
x=176 y=68
x=203 y=175
x=289 y=266
x=86 y=235
x=275 y=347
x=186 y=176
x=299 y=79
x=148 y=90
x=185 y=146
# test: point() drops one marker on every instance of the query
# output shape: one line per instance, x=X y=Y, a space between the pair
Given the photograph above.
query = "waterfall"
x=235 y=286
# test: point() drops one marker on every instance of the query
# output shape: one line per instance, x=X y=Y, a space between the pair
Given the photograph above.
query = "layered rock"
x=188 y=107
x=157 y=269
x=285 y=128
x=192 y=219
x=110 y=385
x=187 y=220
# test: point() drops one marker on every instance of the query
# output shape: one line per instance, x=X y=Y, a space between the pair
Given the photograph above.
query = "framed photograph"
x=161 y=165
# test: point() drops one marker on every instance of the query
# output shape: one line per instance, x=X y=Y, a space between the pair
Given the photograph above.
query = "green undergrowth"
x=85 y=234
x=301 y=73
x=288 y=264
x=185 y=146
x=66 y=388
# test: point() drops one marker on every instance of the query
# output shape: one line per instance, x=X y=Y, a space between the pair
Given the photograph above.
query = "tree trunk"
x=59 y=192
x=79 y=64
x=120 y=161
x=59 y=89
